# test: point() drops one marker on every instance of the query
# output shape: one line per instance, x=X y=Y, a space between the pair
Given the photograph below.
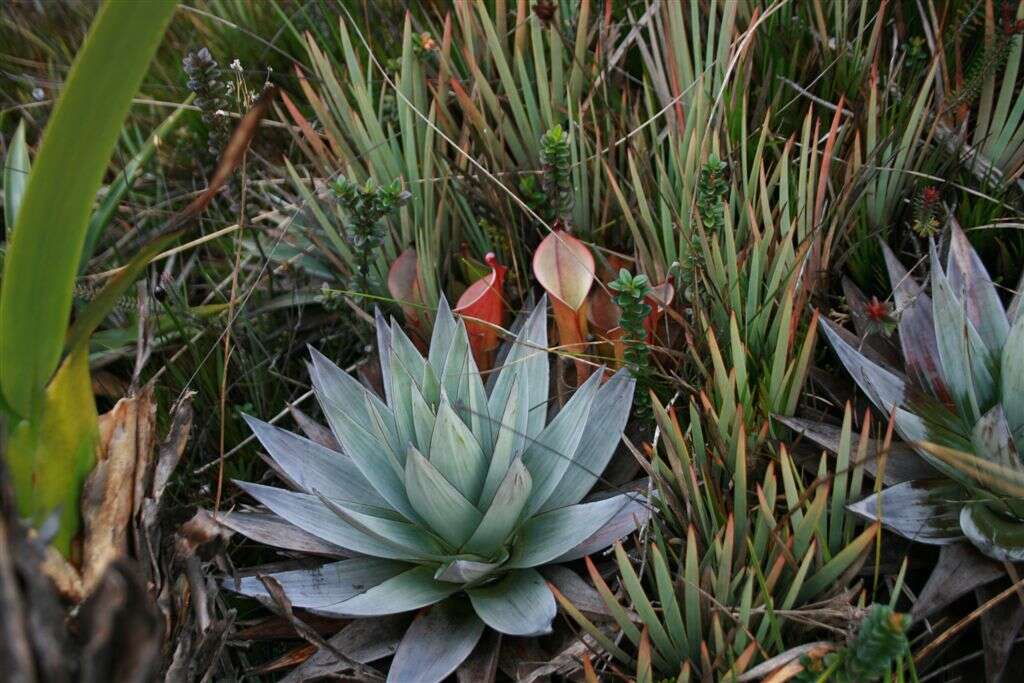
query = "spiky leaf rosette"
x=444 y=491
x=959 y=400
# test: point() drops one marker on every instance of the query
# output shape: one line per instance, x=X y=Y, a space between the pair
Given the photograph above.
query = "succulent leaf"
x=438 y=502
x=308 y=465
x=436 y=643
x=519 y=604
x=326 y=586
x=412 y=589
x=552 y=534
x=398 y=541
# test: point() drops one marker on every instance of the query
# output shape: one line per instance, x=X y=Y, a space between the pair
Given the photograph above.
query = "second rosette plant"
x=445 y=493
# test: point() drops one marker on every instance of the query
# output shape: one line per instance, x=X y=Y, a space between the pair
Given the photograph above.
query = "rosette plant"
x=445 y=494
x=958 y=401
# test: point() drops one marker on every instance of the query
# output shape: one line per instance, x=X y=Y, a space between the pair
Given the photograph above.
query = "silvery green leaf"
x=406 y=353
x=919 y=510
x=270 y=529
x=913 y=429
x=454 y=372
x=371 y=455
x=510 y=440
x=464 y=571
x=916 y=327
x=519 y=604
x=310 y=465
x=901 y=462
x=309 y=513
x=550 y=454
x=1012 y=378
x=442 y=336
x=472 y=406
x=503 y=513
x=622 y=524
x=965 y=358
x=384 y=352
x=422 y=419
x=408 y=591
x=437 y=642
x=446 y=511
x=552 y=534
x=403 y=385
x=325 y=586
x=967 y=275
x=527 y=355
x=992 y=441
x=455 y=452
x=1001 y=541
x=336 y=387
x=885 y=389
x=601 y=436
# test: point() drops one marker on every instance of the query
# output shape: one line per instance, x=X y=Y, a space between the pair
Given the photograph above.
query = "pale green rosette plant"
x=445 y=494
x=958 y=400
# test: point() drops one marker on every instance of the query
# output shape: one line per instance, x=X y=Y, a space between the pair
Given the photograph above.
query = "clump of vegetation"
x=879 y=644
x=681 y=197
x=366 y=206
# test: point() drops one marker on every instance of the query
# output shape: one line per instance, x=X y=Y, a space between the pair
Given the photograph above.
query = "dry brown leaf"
x=113 y=492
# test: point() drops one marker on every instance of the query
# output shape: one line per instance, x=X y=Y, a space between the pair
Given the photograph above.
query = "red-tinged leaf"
x=483 y=308
x=572 y=334
x=604 y=314
x=404 y=286
x=659 y=299
x=564 y=267
x=311 y=136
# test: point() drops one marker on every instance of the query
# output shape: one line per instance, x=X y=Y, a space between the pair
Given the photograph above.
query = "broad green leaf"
x=326 y=586
x=885 y=389
x=456 y=454
x=919 y=510
x=528 y=354
x=45 y=250
x=634 y=513
x=51 y=453
x=550 y=455
x=311 y=467
x=408 y=591
x=373 y=536
x=965 y=358
x=519 y=604
x=465 y=571
x=510 y=440
x=548 y=535
x=995 y=535
x=1012 y=378
x=601 y=436
x=503 y=512
x=970 y=280
x=437 y=642
x=445 y=510
x=369 y=453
